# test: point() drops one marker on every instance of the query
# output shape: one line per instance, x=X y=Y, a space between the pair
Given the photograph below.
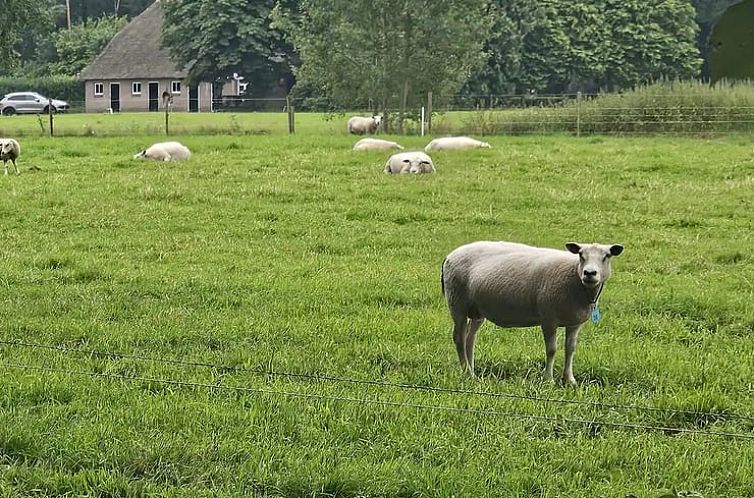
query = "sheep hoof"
x=570 y=382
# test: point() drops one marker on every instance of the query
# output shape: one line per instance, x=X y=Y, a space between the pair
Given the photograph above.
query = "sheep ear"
x=573 y=247
x=616 y=250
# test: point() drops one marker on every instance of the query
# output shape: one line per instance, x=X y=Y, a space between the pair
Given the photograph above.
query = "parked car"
x=29 y=102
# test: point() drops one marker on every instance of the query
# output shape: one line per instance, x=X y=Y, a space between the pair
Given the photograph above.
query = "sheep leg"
x=15 y=166
x=459 y=337
x=5 y=167
x=550 y=335
x=471 y=331
x=572 y=337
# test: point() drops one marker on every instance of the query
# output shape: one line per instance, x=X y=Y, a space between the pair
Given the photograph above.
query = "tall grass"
x=664 y=107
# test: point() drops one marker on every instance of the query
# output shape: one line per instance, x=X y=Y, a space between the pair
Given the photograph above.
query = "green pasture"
x=293 y=254
x=131 y=124
x=256 y=123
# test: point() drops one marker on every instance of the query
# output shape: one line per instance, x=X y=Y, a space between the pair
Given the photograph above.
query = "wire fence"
x=576 y=114
x=219 y=384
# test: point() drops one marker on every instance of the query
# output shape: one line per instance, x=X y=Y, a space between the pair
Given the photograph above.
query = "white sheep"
x=165 y=151
x=455 y=143
x=409 y=162
x=515 y=285
x=359 y=125
x=375 y=144
x=9 y=151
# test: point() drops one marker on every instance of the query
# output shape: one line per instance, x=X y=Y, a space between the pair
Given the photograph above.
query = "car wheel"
x=46 y=110
x=9 y=111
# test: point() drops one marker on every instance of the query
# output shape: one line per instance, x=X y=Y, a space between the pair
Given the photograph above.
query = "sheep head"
x=594 y=261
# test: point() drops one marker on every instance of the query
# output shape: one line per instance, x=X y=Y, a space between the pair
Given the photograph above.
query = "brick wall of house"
x=139 y=102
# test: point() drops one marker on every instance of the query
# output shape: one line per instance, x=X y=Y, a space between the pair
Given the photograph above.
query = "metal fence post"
x=578 y=114
x=291 y=115
x=49 y=110
x=167 y=113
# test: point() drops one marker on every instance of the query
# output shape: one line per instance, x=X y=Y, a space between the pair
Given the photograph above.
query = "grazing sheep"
x=165 y=151
x=9 y=151
x=455 y=143
x=375 y=144
x=515 y=285
x=409 y=162
x=359 y=125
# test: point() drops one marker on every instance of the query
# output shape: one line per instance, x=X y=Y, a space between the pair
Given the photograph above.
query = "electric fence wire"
x=393 y=404
x=378 y=383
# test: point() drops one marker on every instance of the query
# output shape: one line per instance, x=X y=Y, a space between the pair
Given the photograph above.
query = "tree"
x=514 y=19
x=21 y=17
x=216 y=38
x=732 y=41
x=708 y=13
x=79 y=46
x=386 y=50
x=82 y=10
x=609 y=44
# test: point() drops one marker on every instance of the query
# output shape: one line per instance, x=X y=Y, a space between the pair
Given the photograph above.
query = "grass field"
x=295 y=254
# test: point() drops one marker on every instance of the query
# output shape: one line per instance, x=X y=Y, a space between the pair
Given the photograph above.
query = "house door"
x=154 y=96
x=194 y=98
x=115 y=97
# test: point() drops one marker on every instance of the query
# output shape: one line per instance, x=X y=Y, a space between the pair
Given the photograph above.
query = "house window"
x=136 y=88
x=99 y=89
x=176 y=87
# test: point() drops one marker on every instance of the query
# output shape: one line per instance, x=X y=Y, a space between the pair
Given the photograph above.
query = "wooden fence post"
x=49 y=110
x=291 y=115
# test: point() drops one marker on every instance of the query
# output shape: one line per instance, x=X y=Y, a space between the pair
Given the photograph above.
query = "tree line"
x=384 y=53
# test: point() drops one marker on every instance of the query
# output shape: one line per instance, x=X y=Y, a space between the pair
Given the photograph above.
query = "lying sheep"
x=165 y=151
x=455 y=143
x=359 y=125
x=375 y=144
x=9 y=151
x=515 y=285
x=409 y=162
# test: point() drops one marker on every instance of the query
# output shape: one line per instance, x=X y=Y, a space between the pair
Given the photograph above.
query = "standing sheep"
x=165 y=151
x=9 y=151
x=409 y=162
x=375 y=144
x=515 y=285
x=359 y=125
x=455 y=143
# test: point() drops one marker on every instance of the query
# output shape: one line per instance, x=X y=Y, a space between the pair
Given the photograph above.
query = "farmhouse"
x=134 y=73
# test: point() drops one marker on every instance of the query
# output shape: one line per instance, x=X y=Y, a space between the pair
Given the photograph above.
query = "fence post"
x=167 y=113
x=429 y=111
x=422 y=120
x=578 y=114
x=291 y=115
x=49 y=110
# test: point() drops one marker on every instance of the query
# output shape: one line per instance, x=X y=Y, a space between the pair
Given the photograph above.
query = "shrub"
x=67 y=88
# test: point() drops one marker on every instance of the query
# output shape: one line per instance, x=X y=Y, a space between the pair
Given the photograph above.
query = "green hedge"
x=67 y=88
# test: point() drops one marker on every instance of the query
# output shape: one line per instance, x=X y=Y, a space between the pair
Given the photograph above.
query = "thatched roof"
x=135 y=52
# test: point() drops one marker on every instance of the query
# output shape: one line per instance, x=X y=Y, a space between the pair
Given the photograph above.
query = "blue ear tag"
x=595 y=314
